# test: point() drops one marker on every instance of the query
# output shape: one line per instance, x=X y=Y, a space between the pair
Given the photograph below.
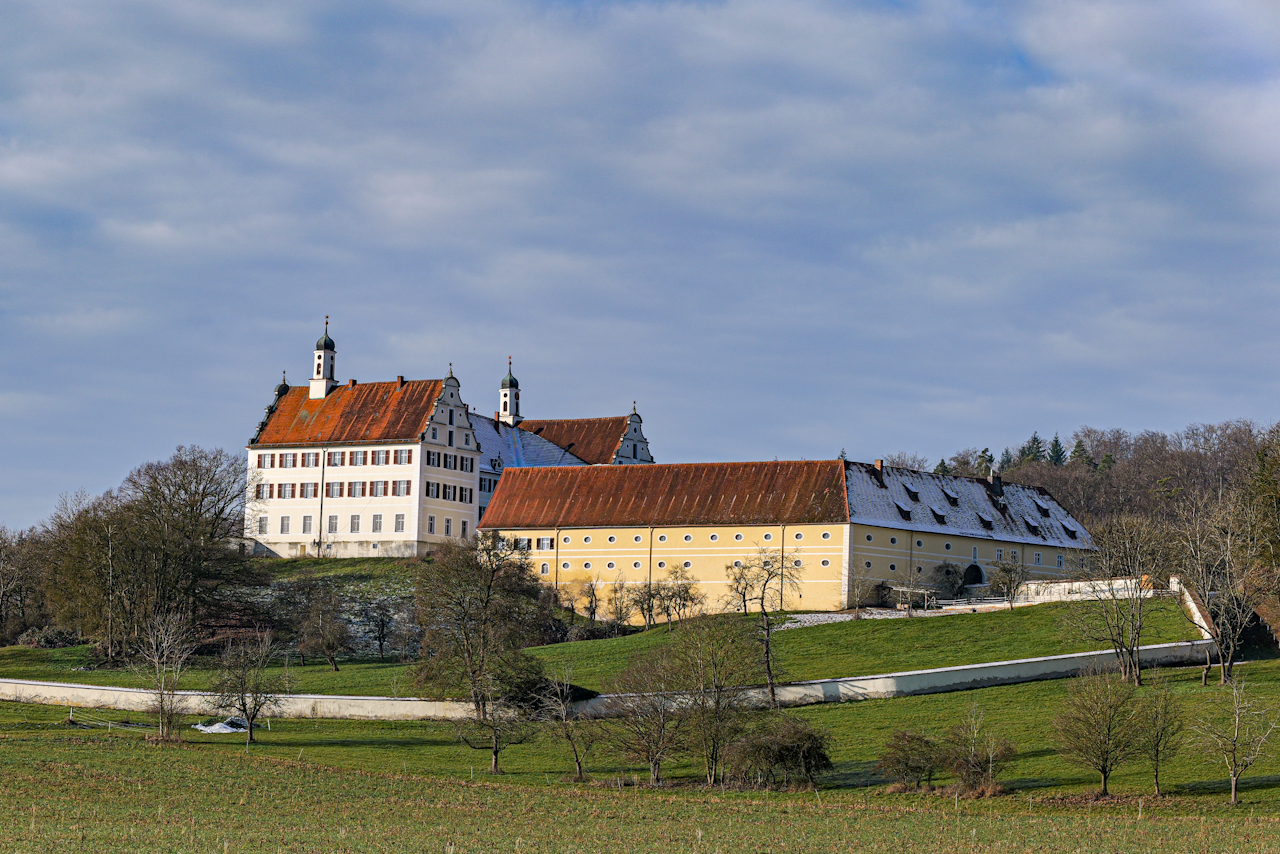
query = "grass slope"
x=852 y=648
x=365 y=786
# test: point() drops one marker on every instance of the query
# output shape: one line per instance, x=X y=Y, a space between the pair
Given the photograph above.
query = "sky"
x=782 y=229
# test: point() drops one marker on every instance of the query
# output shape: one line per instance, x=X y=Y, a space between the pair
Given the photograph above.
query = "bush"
x=49 y=637
x=975 y=755
x=910 y=758
x=786 y=749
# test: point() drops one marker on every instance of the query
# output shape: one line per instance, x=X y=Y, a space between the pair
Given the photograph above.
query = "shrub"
x=974 y=754
x=909 y=758
x=784 y=750
x=49 y=637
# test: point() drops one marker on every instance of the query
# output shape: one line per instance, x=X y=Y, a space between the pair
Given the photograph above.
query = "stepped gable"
x=593 y=440
x=890 y=497
x=368 y=413
x=758 y=493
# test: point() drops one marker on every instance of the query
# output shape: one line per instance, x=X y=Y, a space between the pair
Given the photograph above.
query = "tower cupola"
x=322 y=376
x=509 y=399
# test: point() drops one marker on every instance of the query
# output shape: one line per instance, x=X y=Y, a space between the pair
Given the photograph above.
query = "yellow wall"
x=820 y=587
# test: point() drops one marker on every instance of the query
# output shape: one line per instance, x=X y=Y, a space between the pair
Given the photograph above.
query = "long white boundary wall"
x=844 y=690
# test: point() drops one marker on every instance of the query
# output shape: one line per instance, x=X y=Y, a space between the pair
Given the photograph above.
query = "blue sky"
x=782 y=228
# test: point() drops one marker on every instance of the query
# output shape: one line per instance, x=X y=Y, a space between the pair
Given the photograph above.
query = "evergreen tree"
x=1032 y=451
x=942 y=468
x=987 y=461
x=1080 y=455
x=1107 y=462
x=1006 y=460
x=1057 y=453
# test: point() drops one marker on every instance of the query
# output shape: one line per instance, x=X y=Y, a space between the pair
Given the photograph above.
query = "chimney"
x=495 y=416
x=351 y=383
x=879 y=465
x=399 y=382
x=997 y=485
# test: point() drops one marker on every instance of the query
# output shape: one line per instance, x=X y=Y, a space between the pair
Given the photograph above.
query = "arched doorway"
x=973 y=575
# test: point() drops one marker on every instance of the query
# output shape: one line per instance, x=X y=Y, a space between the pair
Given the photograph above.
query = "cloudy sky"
x=783 y=228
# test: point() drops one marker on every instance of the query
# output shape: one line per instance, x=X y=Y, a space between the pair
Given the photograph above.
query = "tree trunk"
x=768 y=658
x=1156 y=774
x=1104 y=791
x=655 y=772
x=333 y=662
x=1235 y=778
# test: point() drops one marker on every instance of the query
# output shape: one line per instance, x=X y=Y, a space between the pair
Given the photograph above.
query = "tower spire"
x=323 y=378
x=509 y=399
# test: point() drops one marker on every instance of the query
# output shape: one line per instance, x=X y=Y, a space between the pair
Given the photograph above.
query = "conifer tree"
x=942 y=468
x=1006 y=460
x=1057 y=453
x=1080 y=455
x=1032 y=450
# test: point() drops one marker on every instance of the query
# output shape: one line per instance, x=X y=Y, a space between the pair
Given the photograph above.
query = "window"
x=433 y=458
x=826 y=563
x=637 y=538
x=448 y=527
x=919 y=569
x=432 y=489
x=333 y=489
x=467 y=463
x=975 y=552
x=688 y=538
x=262 y=524
x=356 y=489
x=999 y=554
x=380 y=458
x=715 y=537
x=450 y=436
x=333 y=524
x=1059 y=561
x=1013 y=555
x=662 y=564
x=310 y=490
x=310 y=459
x=435 y=434
x=893 y=541
x=262 y=490
x=355 y=524
x=545 y=569
x=609 y=565
x=450 y=417
x=400 y=487
x=465 y=494
x=662 y=538
x=284 y=524
x=947 y=546
x=522 y=543
x=1037 y=559
x=870 y=538
x=768 y=536
x=893 y=567
x=376 y=527
x=399 y=523
x=464 y=528
x=451 y=461
x=636 y=564
x=799 y=535
x=288 y=461
x=564 y=540
x=431 y=524
x=919 y=544
x=266 y=461
x=467 y=437
x=306 y=524
x=360 y=458
x=378 y=488
x=826 y=535
x=488 y=484
x=337 y=458
x=586 y=565
x=687 y=564
x=564 y=565
x=404 y=457
x=544 y=543
x=612 y=539
x=450 y=491
x=586 y=539
x=867 y=564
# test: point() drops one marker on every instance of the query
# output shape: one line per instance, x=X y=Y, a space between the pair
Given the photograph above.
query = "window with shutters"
x=337 y=458
x=433 y=458
x=310 y=459
x=400 y=487
x=288 y=461
x=333 y=489
x=467 y=463
x=380 y=458
x=404 y=457
x=358 y=458
x=544 y=543
x=310 y=490
x=287 y=490
x=356 y=489
x=379 y=488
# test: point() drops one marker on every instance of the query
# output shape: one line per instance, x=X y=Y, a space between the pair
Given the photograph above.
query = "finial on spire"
x=451 y=369
x=633 y=407
x=284 y=376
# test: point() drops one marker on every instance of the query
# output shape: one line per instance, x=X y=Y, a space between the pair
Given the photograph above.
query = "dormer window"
x=1042 y=506
x=904 y=510
x=912 y=492
x=1071 y=530
x=939 y=515
x=1033 y=525
x=986 y=521
x=953 y=498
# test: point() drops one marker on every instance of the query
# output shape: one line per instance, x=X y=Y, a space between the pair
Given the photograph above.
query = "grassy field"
x=363 y=786
x=852 y=648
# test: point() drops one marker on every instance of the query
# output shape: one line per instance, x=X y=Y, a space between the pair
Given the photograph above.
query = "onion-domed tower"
x=322 y=378
x=509 y=399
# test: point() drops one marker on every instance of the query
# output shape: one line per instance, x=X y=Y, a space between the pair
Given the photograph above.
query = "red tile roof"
x=373 y=412
x=767 y=493
x=593 y=440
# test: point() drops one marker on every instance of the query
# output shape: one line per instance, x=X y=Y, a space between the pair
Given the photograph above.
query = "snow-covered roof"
x=891 y=497
x=516 y=448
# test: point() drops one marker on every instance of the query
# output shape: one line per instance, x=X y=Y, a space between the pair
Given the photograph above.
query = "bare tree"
x=718 y=660
x=947 y=579
x=678 y=595
x=973 y=753
x=862 y=586
x=160 y=661
x=510 y=709
x=1226 y=560
x=1099 y=728
x=619 y=603
x=380 y=616
x=644 y=600
x=246 y=684
x=742 y=580
x=587 y=591
x=1163 y=723
x=1131 y=554
x=20 y=599
x=771 y=573
x=915 y=462
x=478 y=607
x=646 y=723
x=579 y=732
x=1007 y=578
x=324 y=631
x=1238 y=732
